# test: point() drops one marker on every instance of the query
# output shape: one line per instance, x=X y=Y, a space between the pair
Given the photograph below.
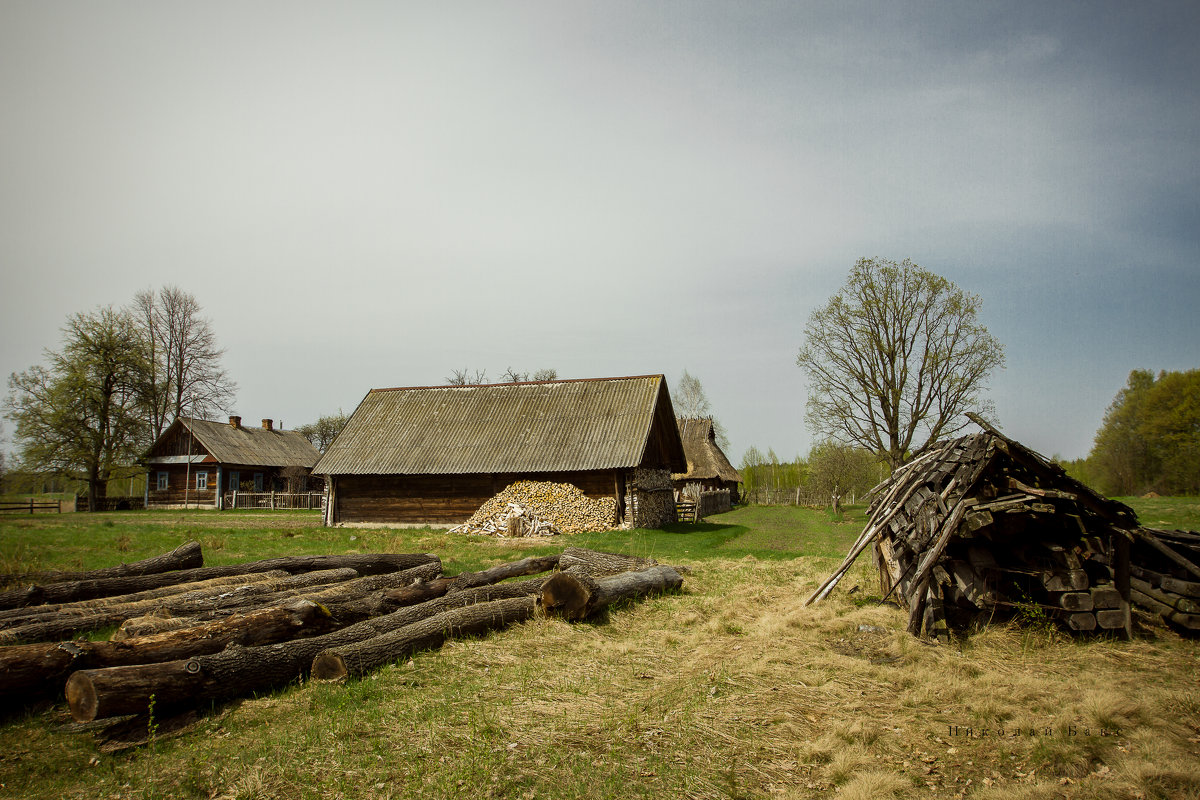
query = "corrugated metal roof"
x=544 y=426
x=253 y=446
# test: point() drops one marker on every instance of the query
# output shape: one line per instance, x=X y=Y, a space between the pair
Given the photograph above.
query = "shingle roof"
x=705 y=459
x=252 y=446
x=544 y=426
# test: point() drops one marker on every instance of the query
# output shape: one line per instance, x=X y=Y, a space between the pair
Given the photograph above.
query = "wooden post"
x=1121 y=546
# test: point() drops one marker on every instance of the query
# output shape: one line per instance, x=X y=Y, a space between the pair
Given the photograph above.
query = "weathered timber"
x=151 y=624
x=236 y=670
x=1149 y=537
x=1082 y=621
x=1189 y=621
x=1076 y=601
x=363 y=563
x=1105 y=596
x=1071 y=580
x=1112 y=618
x=598 y=564
x=11 y=618
x=1185 y=605
x=34 y=670
x=62 y=627
x=186 y=556
x=576 y=596
x=474 y=620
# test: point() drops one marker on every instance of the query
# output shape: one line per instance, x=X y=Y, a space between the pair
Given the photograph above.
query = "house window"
x=201 y=481
x=258 y=482
x=163 y=478
x=233 y=481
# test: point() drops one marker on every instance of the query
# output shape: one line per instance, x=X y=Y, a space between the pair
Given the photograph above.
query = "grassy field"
x=730 y=689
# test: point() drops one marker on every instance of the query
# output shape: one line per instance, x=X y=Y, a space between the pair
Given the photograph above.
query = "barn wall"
x=443 y=500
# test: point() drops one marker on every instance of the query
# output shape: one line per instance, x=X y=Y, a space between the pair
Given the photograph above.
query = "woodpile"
x=982 y=528
x=541 y=508
x=236 y=638
x=650 y=499
x=1165 y=576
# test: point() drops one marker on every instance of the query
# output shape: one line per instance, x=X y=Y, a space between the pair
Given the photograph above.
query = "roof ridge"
x=516 y=383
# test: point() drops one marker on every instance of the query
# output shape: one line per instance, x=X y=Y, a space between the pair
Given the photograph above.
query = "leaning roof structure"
x=540 y=426
x=248 y=445
x=705 y=459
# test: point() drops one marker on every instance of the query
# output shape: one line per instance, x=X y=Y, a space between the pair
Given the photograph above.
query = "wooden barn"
x=432 y=455
x=707 y=466
x=199 y=462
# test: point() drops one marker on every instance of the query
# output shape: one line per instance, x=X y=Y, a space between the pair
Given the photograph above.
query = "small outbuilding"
x=432 y=455
x=199 y=462
x=708 y=469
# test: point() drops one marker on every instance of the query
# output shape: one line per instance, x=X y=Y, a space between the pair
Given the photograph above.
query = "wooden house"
x=432 y=455
x=707 y=466
x=199 y=462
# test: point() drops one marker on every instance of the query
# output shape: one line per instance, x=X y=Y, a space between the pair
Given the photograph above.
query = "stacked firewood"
x=541 y=508
x=259 y=625
x=1165 y=575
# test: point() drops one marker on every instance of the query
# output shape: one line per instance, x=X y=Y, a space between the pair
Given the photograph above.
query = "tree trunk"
x=576 y=596
x=236 y=670
x=13 y=617
x=186 y=556
x=361 y=657
x=193 y=603
x=363 y=563
x=598 y=564
x=34 y=670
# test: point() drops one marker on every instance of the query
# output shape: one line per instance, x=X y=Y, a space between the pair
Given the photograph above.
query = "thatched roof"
x=541 y=426
x=705 y=459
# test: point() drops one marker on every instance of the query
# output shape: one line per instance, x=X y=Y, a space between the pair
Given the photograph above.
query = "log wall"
x=178 y=478
x=443 y=500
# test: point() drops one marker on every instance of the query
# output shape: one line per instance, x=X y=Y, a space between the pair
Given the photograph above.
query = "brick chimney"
x=235 y=422
x=267 y=424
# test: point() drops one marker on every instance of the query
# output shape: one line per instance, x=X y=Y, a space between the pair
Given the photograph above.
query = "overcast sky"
x=374 y=194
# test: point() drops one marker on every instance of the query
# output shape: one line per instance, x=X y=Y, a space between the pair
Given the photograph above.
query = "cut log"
x=238 y=597
x=1189 y=621
x=474 y=620
x=1069 y=580
x=1111 y=619
x=1076 y=601
x=1184 y=605
x=236 y=670
x=576 y=596
x=1105 y=596
x=34 y=670
x=11 y=618
x=599 y=564
x=362 y=563
x=1082 y=621
x=150 y=625
x=186 y=556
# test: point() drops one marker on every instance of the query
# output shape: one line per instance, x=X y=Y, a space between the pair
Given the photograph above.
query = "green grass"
x=731 y=688
x=1182 y=513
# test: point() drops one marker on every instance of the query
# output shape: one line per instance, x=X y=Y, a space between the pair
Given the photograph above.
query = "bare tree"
x=185 y=375
x=897 y=353
x=510 y=375
x=691 y=402
x=464 y=377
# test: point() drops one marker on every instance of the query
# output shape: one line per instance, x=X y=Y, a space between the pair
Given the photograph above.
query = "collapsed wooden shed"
x=981 y=527
x=432 y=455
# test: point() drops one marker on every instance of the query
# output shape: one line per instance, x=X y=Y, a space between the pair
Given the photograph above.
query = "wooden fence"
x=30 y=506
x=791 y=497
x=275 y=500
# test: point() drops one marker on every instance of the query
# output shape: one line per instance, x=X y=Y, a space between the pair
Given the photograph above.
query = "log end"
x=566 y=595
x=82 y=697
x=329 y=666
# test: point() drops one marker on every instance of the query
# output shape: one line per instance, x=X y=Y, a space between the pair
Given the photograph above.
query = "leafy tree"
x=1150 y=438
x=80 y=416
x=183 y=372
x=691 y=402
x=839 y=469
x=322 y=432
x=898 y=353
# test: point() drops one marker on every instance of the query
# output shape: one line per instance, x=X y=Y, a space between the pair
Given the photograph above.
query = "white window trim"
x=201 y=481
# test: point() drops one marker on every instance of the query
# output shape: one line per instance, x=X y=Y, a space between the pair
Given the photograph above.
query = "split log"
x=34 y=670
x=362 y=563
x=11 y=618
x=151 y=624
x=63 y=627
x=186 y=556
x=576 y=596
x=474 y=620
x=598 y=564
x=235 y=671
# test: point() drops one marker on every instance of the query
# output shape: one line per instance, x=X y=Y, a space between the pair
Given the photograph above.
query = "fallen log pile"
x=238 y=638
x=540 y=508
x=981 y=528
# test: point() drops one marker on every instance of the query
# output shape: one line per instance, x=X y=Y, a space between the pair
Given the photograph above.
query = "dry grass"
x=732 y=689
